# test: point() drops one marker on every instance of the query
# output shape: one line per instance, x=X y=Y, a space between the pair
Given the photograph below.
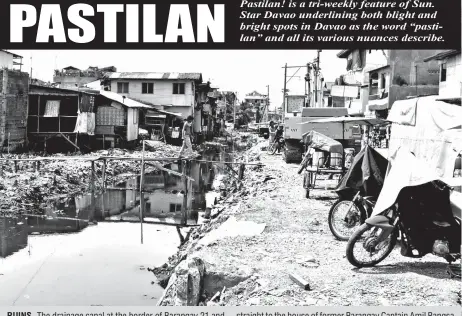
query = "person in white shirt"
x=186 y=133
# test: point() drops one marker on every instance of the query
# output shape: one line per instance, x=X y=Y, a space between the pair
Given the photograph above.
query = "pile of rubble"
x=25 y=187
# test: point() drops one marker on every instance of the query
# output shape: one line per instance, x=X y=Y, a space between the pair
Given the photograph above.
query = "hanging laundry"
x=85 y=123
x=52 y=108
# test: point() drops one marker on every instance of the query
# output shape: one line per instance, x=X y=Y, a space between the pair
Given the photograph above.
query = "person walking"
x=187 y=132
x=272 y=132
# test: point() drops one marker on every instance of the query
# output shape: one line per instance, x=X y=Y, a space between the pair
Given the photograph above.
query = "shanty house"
x=82 y=119
x=450 y=69
x=13 y=101
x=53 y=117
x=406 y=74
x=351 y=89
x=258 y=103
x=117 y=119
x=375 y=79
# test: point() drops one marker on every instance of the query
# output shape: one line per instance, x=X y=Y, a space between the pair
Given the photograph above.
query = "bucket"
x=335 y=160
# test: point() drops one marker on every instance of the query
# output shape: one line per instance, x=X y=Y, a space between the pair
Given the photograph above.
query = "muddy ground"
x=297 y=239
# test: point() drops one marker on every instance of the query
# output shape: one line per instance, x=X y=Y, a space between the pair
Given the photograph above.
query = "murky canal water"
x=88 y=251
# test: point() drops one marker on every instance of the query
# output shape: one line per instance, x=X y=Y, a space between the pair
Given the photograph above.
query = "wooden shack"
x=52 y=118
x=64 y=119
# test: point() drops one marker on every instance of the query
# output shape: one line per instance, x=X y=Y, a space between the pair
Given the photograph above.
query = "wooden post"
x=92 y=176
x=142 y=193
x=104 y=174
x=104 y=141
x=38 y=166
x=1 y=168
x=38 y=115
x=15 y=166
x=102 y=206
x=241 y=171
x=184 y=218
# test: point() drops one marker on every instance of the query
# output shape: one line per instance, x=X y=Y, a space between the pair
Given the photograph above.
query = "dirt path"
x=297 y=239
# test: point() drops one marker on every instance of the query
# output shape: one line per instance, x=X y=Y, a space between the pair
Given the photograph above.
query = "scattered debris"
x=300 y=281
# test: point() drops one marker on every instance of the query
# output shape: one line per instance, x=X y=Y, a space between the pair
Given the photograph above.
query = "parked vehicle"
x=277 y=146
x=323 y=156
x=358 y=191
x=298 y=125
x=416 y=205
x=346 y=215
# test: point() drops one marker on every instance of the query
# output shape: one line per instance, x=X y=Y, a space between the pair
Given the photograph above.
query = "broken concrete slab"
x=233 y=228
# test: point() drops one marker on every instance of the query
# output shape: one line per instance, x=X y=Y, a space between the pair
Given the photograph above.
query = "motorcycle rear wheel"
x=334 y=218
x=355 y=239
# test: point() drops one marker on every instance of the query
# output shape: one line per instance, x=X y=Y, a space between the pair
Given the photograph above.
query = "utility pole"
x=284 y=93
x=30 y=79
x=316 y=71
x=308 y=85
x=267 y=104
x=416 y=89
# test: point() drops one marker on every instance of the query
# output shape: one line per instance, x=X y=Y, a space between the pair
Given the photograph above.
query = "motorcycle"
x=424 y=212
x=346 y=215
x=278 y=145
x=358 y=191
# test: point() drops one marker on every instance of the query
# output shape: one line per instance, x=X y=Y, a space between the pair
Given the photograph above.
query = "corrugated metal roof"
x=156 y=75
x=37 y=89
x=443 y=55
x=124 y=100
x=379 y=68
x=14 y=55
